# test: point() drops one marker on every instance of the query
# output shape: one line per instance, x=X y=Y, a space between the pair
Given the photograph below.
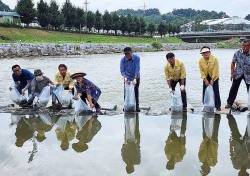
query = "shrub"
x=157 y=45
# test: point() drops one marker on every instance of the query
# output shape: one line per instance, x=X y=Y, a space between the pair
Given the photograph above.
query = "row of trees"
x=71 y=17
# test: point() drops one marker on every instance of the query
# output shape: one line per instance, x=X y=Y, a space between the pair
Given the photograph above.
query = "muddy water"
x=187 y=144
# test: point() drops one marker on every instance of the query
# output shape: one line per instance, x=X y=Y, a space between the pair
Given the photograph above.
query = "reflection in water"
x=175 y=145
x=88 y=127
x=130 y=151
x=208 y=152
x=239 y=146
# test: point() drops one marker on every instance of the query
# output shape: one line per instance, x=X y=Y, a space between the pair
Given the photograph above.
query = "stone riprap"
x=28 y=50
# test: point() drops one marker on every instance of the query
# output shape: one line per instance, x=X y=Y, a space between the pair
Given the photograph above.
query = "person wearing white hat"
x=86 y=90
x=209 y=70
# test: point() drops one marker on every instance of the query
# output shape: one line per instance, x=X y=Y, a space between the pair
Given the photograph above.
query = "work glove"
x=126 y=80
x=23 y=92
x=134 y=81
x=182 y=88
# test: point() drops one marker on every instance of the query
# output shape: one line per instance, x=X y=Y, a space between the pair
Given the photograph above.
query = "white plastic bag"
x=176 y=102
x=248 y=103
x=43 y=98
x=16 y=97
x=81 y=107
x=81 y=121
x=208 y=124
x=129 y=102
x=45 y=118
x=63 y=96
x=209 y=99
x=176 y=121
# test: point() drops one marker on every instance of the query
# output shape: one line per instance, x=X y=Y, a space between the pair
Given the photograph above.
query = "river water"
x=153 y=143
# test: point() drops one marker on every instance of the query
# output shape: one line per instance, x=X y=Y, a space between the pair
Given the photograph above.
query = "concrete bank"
x=28 y=50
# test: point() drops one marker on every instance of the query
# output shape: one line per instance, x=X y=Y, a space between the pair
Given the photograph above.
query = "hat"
x=203 y=50
x=37 y=72
x=127 y=50
x=77 y=73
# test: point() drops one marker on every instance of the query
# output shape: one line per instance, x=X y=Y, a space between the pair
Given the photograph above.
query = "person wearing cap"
x=209 y=71
x=240 y=70
x=175 y=72
x=22 y=79
x=37 y=85
x=63 y=77
x=130 y=70
x=87 y=90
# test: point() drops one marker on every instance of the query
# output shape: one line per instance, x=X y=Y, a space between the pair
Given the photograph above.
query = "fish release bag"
x=176 y=102
x=129 y=102
x=63 y=96
x=208 y=105
x=81 y=107
x=16 y=97
x=43 y=98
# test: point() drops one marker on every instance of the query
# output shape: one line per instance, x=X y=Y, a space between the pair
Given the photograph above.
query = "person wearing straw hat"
x=209 y=70
x=86 y=90
x=37 y=85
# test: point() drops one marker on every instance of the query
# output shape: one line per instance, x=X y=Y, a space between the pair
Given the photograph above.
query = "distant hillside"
x=177 y=16
x=4 y=7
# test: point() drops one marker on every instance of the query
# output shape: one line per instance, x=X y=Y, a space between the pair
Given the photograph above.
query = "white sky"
x=239 y=8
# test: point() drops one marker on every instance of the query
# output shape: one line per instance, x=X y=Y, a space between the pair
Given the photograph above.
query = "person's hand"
x=182 y=88
x=212 y=82
x=70 y=91
x=10 y=88
x=206 y=82
x=126 y=80
x=58 y=84
x=232 y=77
x=23 y=92
x=91 y=105
x=134 y=82
x=49 y=84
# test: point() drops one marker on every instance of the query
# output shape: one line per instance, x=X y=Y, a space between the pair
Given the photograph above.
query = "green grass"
x=169 y=40
x=25 y=35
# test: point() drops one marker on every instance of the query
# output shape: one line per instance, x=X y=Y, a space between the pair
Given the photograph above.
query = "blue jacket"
x=130 y=68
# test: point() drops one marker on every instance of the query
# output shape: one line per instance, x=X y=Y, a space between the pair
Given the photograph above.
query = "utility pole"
x=86 y=13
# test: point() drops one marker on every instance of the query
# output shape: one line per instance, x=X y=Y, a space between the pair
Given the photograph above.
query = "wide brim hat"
x=77 y=73
x=38 y=72
x=204 y=50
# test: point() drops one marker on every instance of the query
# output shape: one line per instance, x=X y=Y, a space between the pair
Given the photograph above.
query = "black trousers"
x=136 y=92
x=234 y=89
x=84 y=98
x=217 y=100
x=183 y=93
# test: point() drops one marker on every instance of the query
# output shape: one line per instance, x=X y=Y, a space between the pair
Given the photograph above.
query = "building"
x=9 y=17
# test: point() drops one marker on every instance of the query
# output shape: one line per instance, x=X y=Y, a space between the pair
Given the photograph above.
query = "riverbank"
x=28 y=50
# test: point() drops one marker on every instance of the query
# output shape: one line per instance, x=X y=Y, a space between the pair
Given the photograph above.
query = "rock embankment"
x=28 y=50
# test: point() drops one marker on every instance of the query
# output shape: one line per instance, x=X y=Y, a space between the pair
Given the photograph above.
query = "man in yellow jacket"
x=175 y=72
x=209 y=70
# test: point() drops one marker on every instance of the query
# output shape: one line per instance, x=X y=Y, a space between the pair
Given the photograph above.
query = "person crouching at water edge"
x=175 y=72
x=22 y=79
x=86 y=90
x=37 y=85
x=209 y=70
x=130 y=70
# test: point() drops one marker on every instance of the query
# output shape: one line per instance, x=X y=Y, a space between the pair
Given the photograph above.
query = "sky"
x=238 y=8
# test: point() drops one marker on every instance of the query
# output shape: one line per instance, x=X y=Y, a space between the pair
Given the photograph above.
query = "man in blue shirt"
x=22 y=79
x=130 y=70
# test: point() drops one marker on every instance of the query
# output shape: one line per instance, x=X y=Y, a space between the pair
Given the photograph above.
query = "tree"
x=43 y=15
x=137 y=25
x=131 y=24
x=107 y=19
x=90 y=20
x=247 y=17
x=57 y=18
x=162 y=29
x=4 y=7
x=143 y=25
x=98 y=21
x=124 y=24
x=80 y=18
x=116 y=22
x=169 y=28
x=26 y=10
x=69 y=13
x=151 y=28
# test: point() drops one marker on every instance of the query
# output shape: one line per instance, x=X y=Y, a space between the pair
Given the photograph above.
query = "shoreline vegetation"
x=26 y=42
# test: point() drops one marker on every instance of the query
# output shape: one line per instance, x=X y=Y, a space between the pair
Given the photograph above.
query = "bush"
x=157 y=45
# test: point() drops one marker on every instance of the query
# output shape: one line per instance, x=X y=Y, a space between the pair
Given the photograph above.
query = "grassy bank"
x=24 y=35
